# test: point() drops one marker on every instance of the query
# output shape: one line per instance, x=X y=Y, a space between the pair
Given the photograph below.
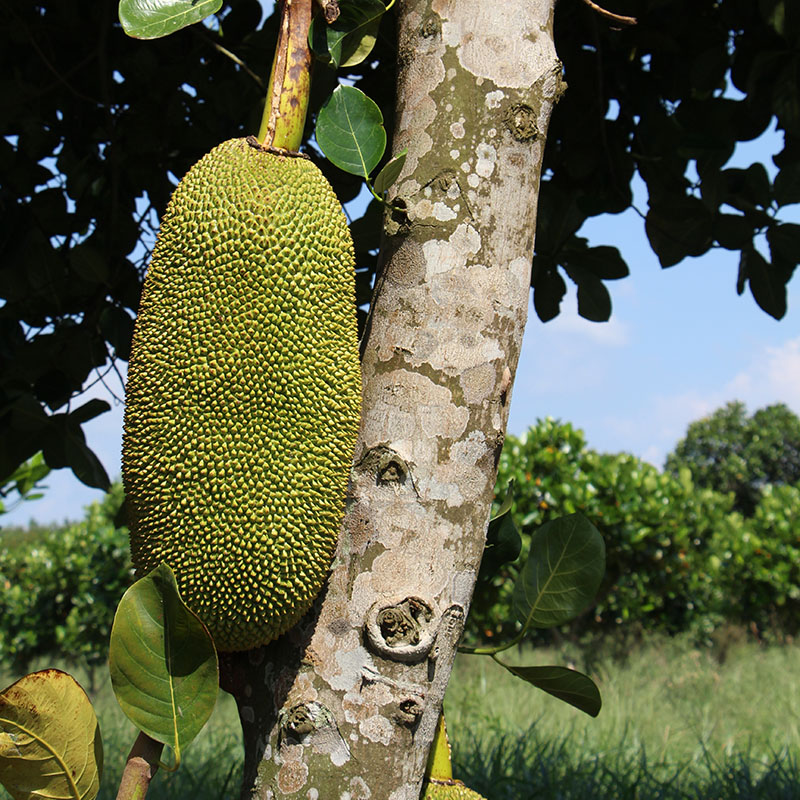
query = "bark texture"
x=346 y=704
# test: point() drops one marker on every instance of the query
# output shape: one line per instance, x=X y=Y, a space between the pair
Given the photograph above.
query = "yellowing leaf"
x=50 y=745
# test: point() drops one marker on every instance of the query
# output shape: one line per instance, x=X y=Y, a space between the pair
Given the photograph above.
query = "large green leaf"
x=569 y=685
x=350 y=131
x=50 y=745
x=162 y=661
x=151 y=19
x=562 y=573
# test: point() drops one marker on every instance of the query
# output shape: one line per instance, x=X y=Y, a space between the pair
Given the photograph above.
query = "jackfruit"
x=243 y=391
x=449 y=790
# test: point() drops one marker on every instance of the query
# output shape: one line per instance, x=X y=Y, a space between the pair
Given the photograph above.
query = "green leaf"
x=594 y=301
x=28 y=474
x=151 y=19
x=678 y=226
x=352 y=36
x=549 y=288
x=65 y=446
x=784 y=242
x=162 y=661
x=569 y=685
x=767 y=282
x=50 y=745
x=503 y=542
x=733 y=231
x=84 y=463
x=89 y=410
x=562 y=573
x=390 y=172
x=117 y=326
x=350 y=131
x=604 y=261
x=787 y=185
x=508 y=501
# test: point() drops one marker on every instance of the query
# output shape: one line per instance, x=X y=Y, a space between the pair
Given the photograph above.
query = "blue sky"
x=679 y=344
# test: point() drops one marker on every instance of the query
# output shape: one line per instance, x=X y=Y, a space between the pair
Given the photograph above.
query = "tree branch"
x=610 y=14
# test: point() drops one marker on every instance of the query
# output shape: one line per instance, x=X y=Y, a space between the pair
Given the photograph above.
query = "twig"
x=140 y=768
x=610 y=14
x=236 y=60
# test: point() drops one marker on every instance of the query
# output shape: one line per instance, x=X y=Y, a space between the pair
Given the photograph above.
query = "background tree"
x=729 y=451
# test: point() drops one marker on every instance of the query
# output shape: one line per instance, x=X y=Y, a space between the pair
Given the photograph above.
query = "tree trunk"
x=346 y=704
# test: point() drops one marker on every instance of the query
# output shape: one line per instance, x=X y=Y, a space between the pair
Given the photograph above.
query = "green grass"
x=675 y=725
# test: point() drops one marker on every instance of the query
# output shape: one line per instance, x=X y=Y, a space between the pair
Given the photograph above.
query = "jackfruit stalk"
x=243 y=393
x=439 y=781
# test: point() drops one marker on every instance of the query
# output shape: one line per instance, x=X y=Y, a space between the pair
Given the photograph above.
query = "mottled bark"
x=345 y=705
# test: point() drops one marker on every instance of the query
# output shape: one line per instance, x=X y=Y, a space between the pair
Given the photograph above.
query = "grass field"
x=675 y=724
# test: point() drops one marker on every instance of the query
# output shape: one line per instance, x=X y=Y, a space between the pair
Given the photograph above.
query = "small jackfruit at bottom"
x=449 y=790
x=243 y=392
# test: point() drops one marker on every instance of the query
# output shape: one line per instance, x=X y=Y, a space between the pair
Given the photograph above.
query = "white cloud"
x=783 y=372
x=772 y=376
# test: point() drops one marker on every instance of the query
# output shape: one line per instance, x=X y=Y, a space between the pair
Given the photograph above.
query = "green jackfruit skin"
x=243 y=392
x=449 y=790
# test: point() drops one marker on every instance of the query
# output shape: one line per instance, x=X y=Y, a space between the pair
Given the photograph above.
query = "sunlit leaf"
x=351 y=38
x=569 y=685
x=50 y=745
x=151 y=19
x=562 y=574
x=350 y=131
x=390 y=172
x=162 y=661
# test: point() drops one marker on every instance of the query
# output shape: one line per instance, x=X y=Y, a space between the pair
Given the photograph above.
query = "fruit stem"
x=290 y=80
x=439 y=767
x=142 y=764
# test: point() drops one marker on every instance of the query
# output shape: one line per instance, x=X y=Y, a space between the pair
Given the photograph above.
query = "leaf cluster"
x=668 y=100
x=98 y=127
x=96 y=130
x=558 y=579
x=678 y=556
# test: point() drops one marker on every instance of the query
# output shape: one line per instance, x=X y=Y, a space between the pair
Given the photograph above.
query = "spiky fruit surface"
x=449 y=790
x=243 y=393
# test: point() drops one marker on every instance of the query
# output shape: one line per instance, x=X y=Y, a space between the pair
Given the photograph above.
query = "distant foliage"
x=678 y=556
x=757 y=564
x=59 y=590
x=731 y=452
